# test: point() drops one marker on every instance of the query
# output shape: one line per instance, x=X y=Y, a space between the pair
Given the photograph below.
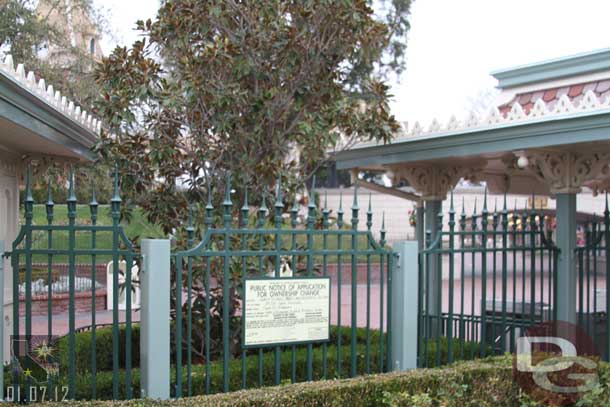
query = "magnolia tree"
x=259 y=89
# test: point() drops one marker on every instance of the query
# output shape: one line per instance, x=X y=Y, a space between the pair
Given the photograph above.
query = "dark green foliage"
x=104 y=361
x=484 y=383
x=258 y=89
x=103 y=349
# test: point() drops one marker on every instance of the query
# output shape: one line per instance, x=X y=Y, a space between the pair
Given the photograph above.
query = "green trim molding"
x=579 y=64
x=572 y=128
x=44 y=115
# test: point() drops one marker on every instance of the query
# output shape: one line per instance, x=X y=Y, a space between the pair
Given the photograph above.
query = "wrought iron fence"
x=76 y=245
x=485 y=277
x=209 y=292
x=593 y=272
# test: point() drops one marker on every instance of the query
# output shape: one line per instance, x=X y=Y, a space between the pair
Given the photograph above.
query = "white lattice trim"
x=50 y=95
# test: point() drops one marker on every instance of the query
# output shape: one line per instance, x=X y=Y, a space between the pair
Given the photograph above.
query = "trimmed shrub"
x=103 y=349
x=479 y=383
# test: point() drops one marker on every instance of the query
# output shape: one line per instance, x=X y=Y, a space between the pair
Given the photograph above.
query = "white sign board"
x=286 y=311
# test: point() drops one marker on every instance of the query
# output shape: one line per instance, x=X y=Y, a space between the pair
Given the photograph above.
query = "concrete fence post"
x=155 y=319
x=405 y=291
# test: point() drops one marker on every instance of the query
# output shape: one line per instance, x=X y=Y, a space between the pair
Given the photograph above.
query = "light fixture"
x=522 y=160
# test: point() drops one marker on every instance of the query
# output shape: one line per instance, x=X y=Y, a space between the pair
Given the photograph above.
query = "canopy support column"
x=433 y=278
x=565 y=297
x=420 y=232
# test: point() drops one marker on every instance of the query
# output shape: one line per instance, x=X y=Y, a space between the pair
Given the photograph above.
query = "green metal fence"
x=486 y=276
x=209 y=288
x=593 y=273
x=76 y=244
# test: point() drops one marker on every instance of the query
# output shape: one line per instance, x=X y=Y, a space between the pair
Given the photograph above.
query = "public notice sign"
x=286 y=311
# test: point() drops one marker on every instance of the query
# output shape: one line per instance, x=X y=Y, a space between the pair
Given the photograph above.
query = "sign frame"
x=287 y=343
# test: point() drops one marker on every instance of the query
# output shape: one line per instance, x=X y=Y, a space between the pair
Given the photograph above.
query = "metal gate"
x=485 y=277
x=52 y=263
x=209 y=290
x=87 y=352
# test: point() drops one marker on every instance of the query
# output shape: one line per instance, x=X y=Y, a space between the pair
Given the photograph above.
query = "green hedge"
x=104 y=354
x=103 y=349
x=486 y=383
x=480 y=383
x=104 y=377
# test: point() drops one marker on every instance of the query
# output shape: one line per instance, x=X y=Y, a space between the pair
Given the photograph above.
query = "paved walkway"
x=60 y=321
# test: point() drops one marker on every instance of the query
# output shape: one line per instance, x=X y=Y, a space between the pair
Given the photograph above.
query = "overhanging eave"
x=553 y=131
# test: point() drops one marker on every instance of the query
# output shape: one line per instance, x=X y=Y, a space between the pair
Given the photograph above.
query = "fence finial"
x=50 y=193
x=116 y=196
x=245 y=209
x=262 y=210
x=50 y=204
x=227 y=204
x=279 y=205
x=369 y=215
x=355 y=208
x=504 y=203
x=311 y=213
x=264 y=202
x=28 y=185
x=312 y=194
x=485 y=200
x=246 y=206
x=93 y=195
x=29 y=200
x=325 y=211
x=71 y=196
x=190 y=230
x=382 y=232
x=209 y=207
x=227 y=201
x=451 y=214
x=340 y=211
x=278 y=194
x=606 y=201
x=190 y=218
x=93 y=205
x=463 y=216
x=474 y=211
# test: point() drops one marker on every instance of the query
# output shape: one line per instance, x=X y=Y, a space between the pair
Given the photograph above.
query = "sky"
x=454 y=45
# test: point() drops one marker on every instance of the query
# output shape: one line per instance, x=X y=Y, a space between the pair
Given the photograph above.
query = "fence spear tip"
x=50 y=193
x=71 y=194
x=93 y=195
